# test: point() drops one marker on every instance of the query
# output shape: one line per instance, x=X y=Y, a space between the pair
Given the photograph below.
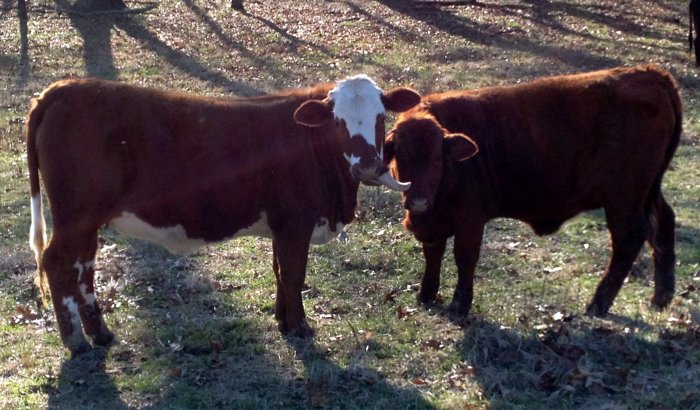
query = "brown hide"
x=547 y=150
x=193 y=170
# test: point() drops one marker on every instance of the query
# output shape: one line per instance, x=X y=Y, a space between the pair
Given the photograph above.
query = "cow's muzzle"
x=378 y=175
x=416 y=205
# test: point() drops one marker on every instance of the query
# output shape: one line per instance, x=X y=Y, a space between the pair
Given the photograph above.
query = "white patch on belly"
x=172 y=238
x=323 y=234
x=260 y=228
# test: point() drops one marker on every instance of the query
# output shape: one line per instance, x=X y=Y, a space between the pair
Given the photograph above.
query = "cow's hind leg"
x=628 y=233
x=662 y=222
x=90 y=312
x=69 y=263
x=59 y=261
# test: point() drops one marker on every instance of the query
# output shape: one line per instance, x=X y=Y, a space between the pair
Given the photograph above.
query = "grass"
x=198 y=332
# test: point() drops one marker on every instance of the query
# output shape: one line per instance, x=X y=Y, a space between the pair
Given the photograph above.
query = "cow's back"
x=557 y=146
x=210 y=164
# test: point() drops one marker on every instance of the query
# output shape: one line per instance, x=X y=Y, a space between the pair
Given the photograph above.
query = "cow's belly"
x=324 y=233
x=176 y=241
x=175 y=238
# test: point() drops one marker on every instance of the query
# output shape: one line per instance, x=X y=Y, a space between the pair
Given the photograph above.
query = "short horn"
x=389 y=182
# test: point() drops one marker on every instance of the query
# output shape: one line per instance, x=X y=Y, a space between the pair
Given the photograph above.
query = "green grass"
x=199 y=332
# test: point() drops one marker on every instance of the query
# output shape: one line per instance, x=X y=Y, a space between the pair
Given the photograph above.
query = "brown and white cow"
x=184 y=171
x=542 y=152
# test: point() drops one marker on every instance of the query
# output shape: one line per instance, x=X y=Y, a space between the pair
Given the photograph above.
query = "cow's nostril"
x=419 y=205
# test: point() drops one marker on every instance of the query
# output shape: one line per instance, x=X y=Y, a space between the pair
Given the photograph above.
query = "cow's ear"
x=459 y=147
x=314 y=113
x=400 y=99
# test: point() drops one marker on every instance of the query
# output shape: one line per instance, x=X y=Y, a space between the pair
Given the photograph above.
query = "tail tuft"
x=37 y=241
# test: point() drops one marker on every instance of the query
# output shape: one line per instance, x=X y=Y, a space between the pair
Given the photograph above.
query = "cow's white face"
x=357 y=106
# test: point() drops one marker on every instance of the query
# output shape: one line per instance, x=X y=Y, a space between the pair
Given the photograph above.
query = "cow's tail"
x=37 y=229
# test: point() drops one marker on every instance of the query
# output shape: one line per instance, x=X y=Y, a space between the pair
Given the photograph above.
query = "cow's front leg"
x=466 y=251
x=290 y=253
x=433 y=253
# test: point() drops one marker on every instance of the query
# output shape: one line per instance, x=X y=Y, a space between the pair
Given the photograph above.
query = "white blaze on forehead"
x=357 y=101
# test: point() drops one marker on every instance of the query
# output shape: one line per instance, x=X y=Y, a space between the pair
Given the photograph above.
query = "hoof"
x=105 y=339
x=301 y=331
x=661 y=300
x=80 y=349
x=427 y=300
x=596 y=310
x=457 y=312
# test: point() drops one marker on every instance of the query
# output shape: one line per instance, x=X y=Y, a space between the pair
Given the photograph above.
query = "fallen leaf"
x=175 y=372
x=432 y=344
x=404 y=312
x=419 y=381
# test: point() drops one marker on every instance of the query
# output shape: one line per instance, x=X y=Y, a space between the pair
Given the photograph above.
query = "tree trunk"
x=99 y=5
x=237 y=5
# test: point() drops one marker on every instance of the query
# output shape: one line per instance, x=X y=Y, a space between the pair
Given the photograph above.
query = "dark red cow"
x=547 y=150
x=184 y=171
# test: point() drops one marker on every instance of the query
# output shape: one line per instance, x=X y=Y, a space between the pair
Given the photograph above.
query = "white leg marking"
x=69 y=302
x=80 y=268
x=89 y=297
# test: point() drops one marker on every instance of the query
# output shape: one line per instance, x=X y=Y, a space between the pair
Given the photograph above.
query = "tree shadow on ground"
x=580 y=362
x=449 y=21
x=96 y=31
x=22 y=63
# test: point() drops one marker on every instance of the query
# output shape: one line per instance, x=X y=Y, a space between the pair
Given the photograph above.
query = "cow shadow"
x=357 y=386
x=190 y=343
x=573 y=363
x=82 y=382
